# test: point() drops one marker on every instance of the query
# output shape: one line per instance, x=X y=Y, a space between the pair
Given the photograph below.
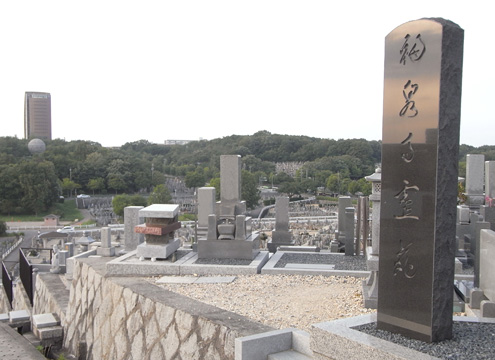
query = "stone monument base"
x=229 y=249
x=103 y=251
x=157 y=251
x=273 y=246
x=279 y=238
x=339 y=340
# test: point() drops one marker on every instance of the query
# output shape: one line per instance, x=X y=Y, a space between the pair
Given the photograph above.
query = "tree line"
x=32 y=183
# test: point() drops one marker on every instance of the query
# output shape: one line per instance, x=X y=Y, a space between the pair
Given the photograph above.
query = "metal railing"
x=7 y=283
x=12 y=248
x=46 y=227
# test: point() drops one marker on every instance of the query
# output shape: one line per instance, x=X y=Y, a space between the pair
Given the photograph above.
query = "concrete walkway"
x=15 y=346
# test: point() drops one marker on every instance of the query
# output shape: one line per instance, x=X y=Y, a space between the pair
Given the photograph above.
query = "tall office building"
x=37 y=115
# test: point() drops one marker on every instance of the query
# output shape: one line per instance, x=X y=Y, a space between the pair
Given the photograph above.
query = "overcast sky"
x=121 y=71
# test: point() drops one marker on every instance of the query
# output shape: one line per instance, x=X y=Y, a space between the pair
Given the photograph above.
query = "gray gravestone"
x=281 y=235
x=206 y=205
x=230 y=184
x=487 y=263
x=344 y=202
x=490 y=182
x=106 y=248
x=131 y=219
x=475 y=177
x=421 y=121
x=487 y=273
x=349 y=231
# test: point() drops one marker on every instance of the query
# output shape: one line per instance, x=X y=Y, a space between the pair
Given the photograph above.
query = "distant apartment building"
x=177 y=142
x=37 y=115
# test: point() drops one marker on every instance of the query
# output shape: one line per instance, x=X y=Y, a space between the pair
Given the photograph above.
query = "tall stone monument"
x=420 y=145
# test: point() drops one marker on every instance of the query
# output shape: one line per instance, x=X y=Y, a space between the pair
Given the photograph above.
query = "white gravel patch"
x=281 y=301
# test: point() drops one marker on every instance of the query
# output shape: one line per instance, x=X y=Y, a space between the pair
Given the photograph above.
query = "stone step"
x=289 y=355
x=32 y=339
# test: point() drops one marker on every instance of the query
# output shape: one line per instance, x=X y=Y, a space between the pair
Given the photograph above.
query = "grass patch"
x=187 y=217
x=66 y=210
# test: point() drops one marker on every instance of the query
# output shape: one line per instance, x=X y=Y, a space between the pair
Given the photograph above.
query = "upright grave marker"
x=421 y=121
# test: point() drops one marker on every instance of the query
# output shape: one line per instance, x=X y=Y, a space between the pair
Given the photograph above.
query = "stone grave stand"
x=281 y=235
x=159 y=230
x=229 y=234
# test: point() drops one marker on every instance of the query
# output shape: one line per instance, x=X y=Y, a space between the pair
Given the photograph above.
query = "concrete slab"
x=45 y=320
x=215 y=279
x=306 y=269
x=177 y=280
x=253 y=267
x=310 y=266
x=195 y=279
x=259 y=346
x=167 y=211
x=129 y=264
x=19 y=315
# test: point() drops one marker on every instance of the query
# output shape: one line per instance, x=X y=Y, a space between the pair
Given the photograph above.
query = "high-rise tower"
x=37 y=115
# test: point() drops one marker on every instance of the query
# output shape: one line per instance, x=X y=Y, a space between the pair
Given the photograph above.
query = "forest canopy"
x=31 y=183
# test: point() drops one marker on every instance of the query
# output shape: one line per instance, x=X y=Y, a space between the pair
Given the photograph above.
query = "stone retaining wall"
x=130 y=318
x=50 y=296
x=4 y=302
x=20 y=299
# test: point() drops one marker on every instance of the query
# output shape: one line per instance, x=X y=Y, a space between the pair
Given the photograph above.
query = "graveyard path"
x=282 y=301
x=86 y=216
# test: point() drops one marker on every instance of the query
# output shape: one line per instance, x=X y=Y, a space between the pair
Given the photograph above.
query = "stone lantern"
x=370 y=286
x=375 y=197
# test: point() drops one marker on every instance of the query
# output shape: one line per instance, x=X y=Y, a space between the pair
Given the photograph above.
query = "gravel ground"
x=281 y=301
x=341 y=262
x=469 y=341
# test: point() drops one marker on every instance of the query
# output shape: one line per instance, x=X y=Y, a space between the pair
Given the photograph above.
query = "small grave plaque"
x=421 y=120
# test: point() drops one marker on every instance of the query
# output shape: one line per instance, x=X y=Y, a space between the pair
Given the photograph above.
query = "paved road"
x=15 y=346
